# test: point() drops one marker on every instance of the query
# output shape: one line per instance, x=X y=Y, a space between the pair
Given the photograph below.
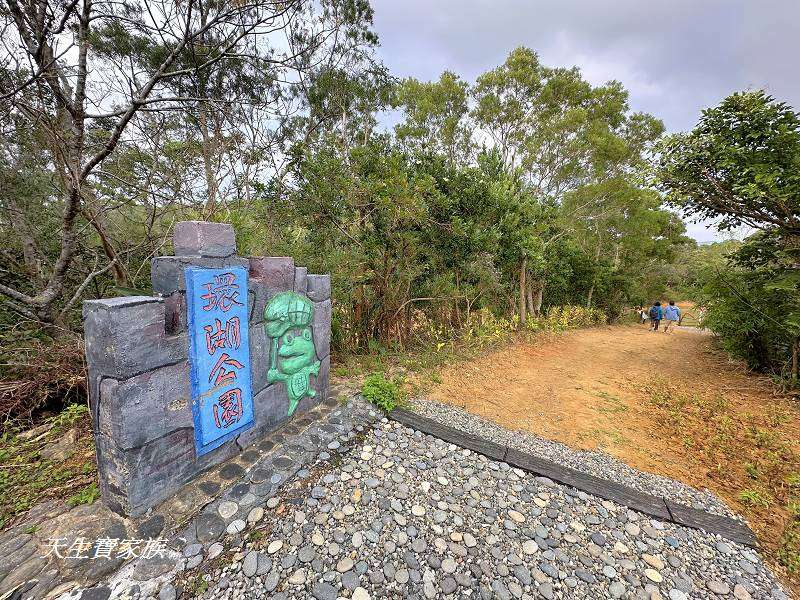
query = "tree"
x=80 y=75
x=575 y=146
x=741 y=164
x=435 y=116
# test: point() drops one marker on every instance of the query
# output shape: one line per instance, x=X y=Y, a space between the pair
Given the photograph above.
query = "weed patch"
x=27 y=476
x=383 y=393
x=749 y=454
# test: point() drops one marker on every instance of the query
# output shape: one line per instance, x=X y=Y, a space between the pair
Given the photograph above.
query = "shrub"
x=561 y=318
x=382 y=392
x=86 y=496
x=38 y=374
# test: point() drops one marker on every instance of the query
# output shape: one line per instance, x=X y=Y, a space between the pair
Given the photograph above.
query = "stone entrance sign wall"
x=144 y=381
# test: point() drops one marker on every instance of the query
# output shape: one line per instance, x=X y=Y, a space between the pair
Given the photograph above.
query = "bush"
x=382 y=392
x=39 y=374
x=561 y=318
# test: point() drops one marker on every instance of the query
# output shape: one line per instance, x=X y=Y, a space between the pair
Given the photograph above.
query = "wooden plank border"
x=654 y=506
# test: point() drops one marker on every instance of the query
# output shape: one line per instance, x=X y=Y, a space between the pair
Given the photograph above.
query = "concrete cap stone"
x=203 y=238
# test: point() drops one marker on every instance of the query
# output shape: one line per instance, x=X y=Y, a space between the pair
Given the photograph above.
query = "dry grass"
x=749 y=456
x=37 y=373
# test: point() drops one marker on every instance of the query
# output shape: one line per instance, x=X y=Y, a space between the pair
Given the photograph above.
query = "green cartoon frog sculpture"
x=288 y=318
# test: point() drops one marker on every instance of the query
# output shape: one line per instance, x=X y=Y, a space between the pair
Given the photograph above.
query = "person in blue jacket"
x=672 y=316
x=656 y=314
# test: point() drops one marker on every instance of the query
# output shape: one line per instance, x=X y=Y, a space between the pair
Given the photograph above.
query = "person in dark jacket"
x=656 y=314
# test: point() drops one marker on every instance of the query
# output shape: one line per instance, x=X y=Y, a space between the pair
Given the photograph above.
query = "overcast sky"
x=675 y=57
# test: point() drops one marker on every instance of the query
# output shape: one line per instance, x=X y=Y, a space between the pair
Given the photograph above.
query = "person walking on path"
x=656 y=314
x=672 y=315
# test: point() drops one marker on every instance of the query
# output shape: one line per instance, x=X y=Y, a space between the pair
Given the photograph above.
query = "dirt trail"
x=667 y=404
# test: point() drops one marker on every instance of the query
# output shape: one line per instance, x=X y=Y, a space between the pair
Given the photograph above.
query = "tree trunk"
x=207 y=148
x=120 y=277
x=529 y=297
x=538 y=293
x=589 y=297
x=522 y=269
x=23 y=230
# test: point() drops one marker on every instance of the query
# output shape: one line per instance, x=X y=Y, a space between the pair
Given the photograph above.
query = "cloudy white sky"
x=675 y=57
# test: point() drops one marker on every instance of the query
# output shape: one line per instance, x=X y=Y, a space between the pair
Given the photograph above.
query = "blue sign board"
x=219 y=354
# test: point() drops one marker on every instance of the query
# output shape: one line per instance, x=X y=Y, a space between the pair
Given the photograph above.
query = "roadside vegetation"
x=750 y=455
x=54 y=460
x=412 y=372
x=525 y=202
x=526 y=189
x=741 y=167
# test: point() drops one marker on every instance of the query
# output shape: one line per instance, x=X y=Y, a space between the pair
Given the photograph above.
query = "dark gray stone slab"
x=726 y=527
x=276 y=271
x=300 y=275
x=126 y=336
x=203 y=238
x=320 y=383
x=167 y=272
x=321 y=328
x=147 y=406
x=270 y=409
x=175 y=314
x=260 y=348
x=101 y=592
x=134 y=480
x=318 y=287
x=449 y=434
x=602 y=488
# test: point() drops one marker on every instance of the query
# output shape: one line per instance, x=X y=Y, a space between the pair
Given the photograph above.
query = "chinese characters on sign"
x=219 y=354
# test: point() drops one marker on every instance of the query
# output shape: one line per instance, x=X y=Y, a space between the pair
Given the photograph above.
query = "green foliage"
x=789 y=551
x=755 y=498
x=67 y=418
x=561 y=318
x=86 y=496
x=26 y=477
x=741 y=166
x=383 y=393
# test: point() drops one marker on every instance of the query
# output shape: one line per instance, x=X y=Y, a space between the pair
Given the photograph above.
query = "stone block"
x=260 y=348
x=268 y=277
x=202 y=238
x=114 y=476
x=270 y=409
x=276 y=271
x=167 y=272
x=145 y=407
x=321 y=328
x=261 y=296
x=300 y=274
x=126 y=336
x=139 y=380
x=175 y=315
x=133 y=481
x=318 y=287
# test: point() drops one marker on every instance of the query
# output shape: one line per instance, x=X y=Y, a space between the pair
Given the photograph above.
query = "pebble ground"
x=591 y=462
x=386 y=511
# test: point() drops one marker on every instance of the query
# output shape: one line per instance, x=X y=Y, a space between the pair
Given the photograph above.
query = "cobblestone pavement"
x=596 y=463
x=384 y=511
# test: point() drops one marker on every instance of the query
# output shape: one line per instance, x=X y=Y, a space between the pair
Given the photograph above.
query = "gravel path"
x=389 y=512
x=595 y=463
